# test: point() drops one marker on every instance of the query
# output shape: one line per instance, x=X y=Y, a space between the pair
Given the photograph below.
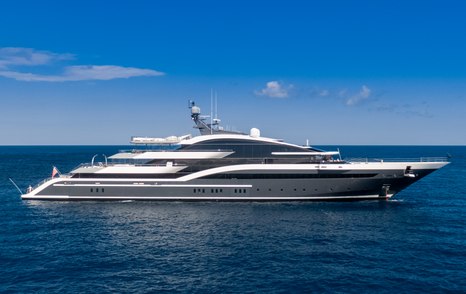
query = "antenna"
x=216 y=106
x=211 y=110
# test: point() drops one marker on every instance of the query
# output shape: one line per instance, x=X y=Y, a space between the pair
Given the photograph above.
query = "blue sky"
x=333 y=72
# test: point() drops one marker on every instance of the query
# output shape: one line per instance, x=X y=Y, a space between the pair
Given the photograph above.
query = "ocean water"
x=415 y=242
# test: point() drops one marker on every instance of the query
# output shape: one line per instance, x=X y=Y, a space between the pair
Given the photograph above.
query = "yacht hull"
x=247 y=183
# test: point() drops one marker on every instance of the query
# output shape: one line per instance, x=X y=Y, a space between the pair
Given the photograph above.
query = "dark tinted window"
x=244 y=148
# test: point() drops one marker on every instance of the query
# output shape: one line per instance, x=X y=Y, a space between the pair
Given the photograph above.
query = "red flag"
x=54 y=172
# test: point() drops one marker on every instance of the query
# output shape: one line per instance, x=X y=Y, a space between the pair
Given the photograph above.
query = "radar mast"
x=204 y=127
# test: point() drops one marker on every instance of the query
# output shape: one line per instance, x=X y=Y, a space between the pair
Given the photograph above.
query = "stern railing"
x=66 y=176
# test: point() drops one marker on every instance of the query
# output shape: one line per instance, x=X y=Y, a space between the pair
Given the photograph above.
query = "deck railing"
x=418 y=159
x=101 y=164
x=49 y=178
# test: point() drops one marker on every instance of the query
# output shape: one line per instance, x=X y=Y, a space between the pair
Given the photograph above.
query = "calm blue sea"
x=415 y=242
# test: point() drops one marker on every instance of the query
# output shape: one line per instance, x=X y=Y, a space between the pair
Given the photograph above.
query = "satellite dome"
x=255 y=133
x=195 y=110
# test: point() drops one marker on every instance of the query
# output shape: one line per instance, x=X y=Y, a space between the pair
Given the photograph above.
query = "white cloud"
x=275 y=90
x=362 y=95
x=107 y=72
x=14 y=57
x=84 y=73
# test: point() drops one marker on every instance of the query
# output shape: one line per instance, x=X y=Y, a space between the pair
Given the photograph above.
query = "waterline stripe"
x=65 y=197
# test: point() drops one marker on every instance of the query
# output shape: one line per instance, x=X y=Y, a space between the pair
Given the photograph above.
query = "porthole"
x=92 y=190
x=102 y=190
x=97 y=190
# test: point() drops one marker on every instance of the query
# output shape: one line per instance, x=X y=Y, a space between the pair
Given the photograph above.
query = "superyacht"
x=221 y=165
